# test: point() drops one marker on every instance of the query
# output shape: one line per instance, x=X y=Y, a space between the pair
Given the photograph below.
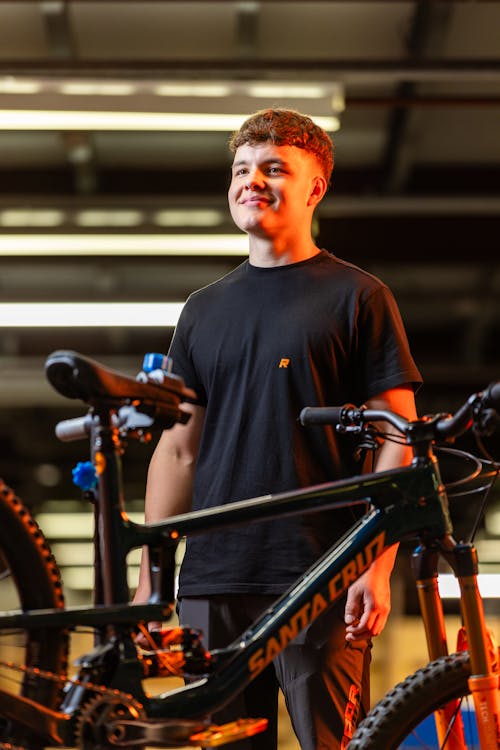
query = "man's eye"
x=275 y=170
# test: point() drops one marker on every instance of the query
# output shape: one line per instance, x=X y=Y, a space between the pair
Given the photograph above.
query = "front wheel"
x=32 y=662
x=404 y=717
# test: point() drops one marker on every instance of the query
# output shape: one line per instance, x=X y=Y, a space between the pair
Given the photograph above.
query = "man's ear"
x=318 y=189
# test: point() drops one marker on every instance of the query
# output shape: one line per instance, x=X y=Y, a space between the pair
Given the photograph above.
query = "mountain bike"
x=105 y=704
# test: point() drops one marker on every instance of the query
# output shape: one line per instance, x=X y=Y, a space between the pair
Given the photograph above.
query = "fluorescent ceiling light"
x=94 y=217
x=488 y=549
x=123 y=244
x=31 y=217
x=21 y=119
x=299 y=88
x=188 y=88
x=74 y=525
x=111 y=217
x=263 y=90
x=89 y=314
x=97 y=88
x=11 y=85
x=492 y=522
x=72 y=553
x=79 y=553
x=67 y=525
x=489 y=586
x=194 y=217
x=82 y=578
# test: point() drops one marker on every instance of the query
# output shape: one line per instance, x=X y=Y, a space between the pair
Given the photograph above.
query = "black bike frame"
x=401 y=503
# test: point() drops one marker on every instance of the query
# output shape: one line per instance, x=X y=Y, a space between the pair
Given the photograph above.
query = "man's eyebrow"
x=276 y=160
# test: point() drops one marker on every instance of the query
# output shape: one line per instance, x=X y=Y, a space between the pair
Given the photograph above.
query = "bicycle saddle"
x=76 y=376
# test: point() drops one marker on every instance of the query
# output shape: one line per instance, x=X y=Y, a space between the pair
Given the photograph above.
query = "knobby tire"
x=396 y=717
x=29 y=579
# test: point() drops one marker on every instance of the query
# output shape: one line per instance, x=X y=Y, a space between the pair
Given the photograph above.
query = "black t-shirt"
x=257 y=346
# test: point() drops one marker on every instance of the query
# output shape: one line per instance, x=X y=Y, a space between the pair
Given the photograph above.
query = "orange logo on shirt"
x=284 y=362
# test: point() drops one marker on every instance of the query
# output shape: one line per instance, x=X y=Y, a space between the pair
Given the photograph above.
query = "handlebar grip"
x=73 y=429
x=491 y=396
x=321 y=415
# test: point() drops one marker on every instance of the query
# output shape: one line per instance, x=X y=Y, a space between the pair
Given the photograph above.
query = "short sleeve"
x=180 y=354
x=383 y=358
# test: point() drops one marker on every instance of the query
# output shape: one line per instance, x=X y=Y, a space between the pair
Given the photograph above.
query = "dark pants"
x=324 y=679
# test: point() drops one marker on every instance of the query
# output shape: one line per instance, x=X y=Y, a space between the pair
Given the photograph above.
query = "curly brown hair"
x=286 y=127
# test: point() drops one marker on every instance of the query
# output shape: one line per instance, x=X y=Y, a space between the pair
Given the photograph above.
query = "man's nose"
x=255 y=180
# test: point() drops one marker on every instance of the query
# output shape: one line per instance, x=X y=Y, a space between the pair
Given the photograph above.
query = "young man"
x=291 y=327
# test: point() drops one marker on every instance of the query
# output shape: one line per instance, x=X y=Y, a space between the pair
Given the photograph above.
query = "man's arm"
x=369 y=599
x=170 y=480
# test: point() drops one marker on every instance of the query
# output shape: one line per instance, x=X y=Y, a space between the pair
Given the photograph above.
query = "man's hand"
x=369 y=599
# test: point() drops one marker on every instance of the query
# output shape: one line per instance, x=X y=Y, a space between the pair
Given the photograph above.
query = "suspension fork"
x=425 y=567
x=483 y=682
x=484 y=679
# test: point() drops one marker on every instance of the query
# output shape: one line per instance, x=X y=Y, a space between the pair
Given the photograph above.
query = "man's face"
x=271 y=188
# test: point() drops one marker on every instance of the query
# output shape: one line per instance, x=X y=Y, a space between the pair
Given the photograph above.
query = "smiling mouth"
x=256 y=201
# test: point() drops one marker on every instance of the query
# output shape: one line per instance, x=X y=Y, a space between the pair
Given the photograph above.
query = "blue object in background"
x=425 y=735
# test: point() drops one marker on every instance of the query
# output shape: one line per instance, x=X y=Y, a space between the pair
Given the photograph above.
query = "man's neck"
x=266 y=253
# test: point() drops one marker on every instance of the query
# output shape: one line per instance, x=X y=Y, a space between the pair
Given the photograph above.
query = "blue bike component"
x=156 y=368
x=85 y=475
x=154 y=361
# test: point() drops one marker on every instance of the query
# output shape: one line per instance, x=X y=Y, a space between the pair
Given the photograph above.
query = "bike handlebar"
x=444 y=426
x=492 y=395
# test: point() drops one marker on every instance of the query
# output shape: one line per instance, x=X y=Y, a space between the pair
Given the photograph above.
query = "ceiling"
x=415 y=196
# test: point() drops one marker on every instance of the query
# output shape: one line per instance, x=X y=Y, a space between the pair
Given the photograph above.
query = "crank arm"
x=156 y=732
x=174 y=733
x=40 y=720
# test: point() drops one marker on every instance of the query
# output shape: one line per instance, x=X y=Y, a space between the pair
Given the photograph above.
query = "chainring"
x=92 y=726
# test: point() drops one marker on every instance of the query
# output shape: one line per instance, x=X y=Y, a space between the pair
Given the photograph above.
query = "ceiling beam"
x=426 y=32
x=57 y=29
x=233 y=2
x=347 y=70
x=247 y=29
x=334 y=205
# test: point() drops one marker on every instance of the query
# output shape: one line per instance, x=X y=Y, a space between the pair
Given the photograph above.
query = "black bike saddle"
x=75 y=376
